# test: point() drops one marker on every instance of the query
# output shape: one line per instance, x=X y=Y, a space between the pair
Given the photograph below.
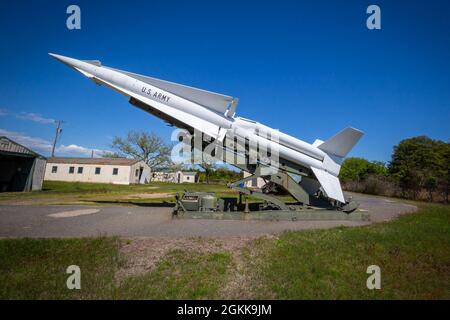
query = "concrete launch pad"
x=278 y=215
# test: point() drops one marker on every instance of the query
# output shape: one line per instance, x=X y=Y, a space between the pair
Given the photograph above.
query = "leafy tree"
x=148 y=147
x=224 y=174
x=444 y=172
x=353 y=169
x=358 y=169
x=417 y=164
x=420 y=163
x=430 y=185
x=378 y=168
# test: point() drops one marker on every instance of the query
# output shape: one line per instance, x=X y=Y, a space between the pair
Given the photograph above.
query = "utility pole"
x=58 y=132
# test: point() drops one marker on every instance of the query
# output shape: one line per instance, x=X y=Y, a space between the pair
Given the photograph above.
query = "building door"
x=141 y=169
x=14 y=172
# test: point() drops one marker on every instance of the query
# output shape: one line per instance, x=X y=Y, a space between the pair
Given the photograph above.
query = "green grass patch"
x=180 y=275
x=81 y=187
x=36 y=268
x=59 y=192
x=413 y=253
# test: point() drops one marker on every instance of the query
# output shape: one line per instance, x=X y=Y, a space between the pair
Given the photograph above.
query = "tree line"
x=419 y=169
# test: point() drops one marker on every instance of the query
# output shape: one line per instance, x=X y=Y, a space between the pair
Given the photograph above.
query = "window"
x=97 y=170
x=80 y=170
x=115 y=171
x=54 y=169
x=137 y=173
x=71 y=170
x=187 y=178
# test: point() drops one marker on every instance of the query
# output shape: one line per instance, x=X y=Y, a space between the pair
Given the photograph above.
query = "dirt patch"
x=241 y=276
x=140 y=255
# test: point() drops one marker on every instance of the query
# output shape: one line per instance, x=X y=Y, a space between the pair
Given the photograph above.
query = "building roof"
x=189 y=173
x=9 y=146
x=98 y=161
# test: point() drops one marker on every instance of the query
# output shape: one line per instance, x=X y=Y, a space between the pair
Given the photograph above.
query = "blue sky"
x=307 y=68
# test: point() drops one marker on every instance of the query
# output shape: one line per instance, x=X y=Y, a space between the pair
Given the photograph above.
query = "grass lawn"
x=58 y=192
x=413 y=253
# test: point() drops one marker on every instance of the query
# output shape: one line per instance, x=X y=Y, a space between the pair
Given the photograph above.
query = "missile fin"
x=330 y=184
x=317 y=143
x=84 y=73
x=204 y=126
x=214 y=101
x=232 y=109
x=341 y=143
x=97 y=63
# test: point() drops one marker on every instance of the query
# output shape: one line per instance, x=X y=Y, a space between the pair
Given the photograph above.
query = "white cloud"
x=35 y=117
x=33 y=143
x=3 y=112
x=73 y=148
x=44 y=146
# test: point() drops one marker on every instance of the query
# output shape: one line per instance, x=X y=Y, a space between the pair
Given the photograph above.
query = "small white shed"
x=186 y=177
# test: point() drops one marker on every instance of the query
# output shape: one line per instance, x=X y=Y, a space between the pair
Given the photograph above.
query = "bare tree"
x=148 y=147
x=174 y=167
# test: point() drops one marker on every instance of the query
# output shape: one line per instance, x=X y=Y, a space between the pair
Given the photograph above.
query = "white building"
x=175 y=177
x=186 y=176
x=99 y=170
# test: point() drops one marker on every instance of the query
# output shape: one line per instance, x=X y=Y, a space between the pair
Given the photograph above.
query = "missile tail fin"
x=330 y=184
x=336 y=148
x=340 y=144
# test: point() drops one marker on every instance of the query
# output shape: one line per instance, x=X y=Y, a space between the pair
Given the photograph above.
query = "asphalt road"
x=82 y=221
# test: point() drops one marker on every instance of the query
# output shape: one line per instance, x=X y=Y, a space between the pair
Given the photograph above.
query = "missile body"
x=214 y=115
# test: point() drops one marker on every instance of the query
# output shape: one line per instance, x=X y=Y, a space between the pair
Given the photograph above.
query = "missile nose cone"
x=66 y=60
x=56 y=56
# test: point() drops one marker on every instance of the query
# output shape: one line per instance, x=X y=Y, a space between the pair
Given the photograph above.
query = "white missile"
x=214 y=115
